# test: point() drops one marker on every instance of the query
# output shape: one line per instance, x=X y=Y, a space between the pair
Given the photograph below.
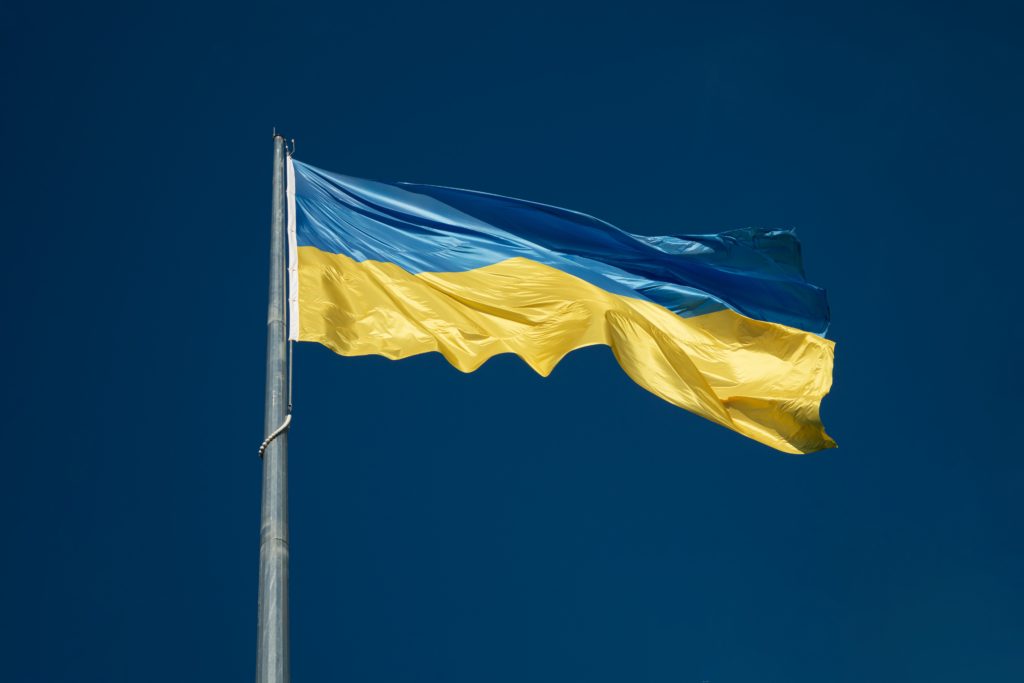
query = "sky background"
x=498 y=526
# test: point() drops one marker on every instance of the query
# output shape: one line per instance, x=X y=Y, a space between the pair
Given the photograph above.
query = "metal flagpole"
x=272 y=649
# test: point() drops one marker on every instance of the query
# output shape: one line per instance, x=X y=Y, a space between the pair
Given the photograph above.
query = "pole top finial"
x=276 y=135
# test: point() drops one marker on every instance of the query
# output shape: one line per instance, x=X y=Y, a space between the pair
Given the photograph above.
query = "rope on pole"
x=276 y=433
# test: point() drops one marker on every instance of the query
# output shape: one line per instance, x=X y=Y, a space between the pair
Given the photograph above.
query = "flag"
x=723 y=325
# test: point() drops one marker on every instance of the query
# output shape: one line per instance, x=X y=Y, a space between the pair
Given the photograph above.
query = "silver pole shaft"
x=272 y=650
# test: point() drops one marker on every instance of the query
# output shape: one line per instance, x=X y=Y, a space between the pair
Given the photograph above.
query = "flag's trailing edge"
x=722 y=325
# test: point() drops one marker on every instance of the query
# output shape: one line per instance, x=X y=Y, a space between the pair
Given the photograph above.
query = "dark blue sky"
x=499 y=526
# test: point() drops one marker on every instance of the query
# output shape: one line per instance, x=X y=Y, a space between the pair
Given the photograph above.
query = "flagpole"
x=272 y=649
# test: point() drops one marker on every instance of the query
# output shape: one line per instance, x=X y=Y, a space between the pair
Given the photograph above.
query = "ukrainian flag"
x=722 y=325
